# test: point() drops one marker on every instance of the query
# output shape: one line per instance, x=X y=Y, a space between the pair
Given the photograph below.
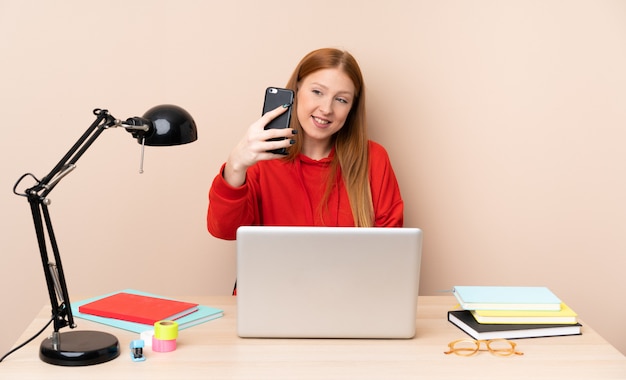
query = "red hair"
x=351 y=141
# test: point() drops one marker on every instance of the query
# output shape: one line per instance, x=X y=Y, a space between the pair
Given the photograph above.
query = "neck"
x=316 y=150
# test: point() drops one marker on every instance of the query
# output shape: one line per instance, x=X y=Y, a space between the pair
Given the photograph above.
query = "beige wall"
x=505 y=121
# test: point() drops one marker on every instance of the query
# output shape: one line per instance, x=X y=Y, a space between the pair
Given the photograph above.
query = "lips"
x=320 y=122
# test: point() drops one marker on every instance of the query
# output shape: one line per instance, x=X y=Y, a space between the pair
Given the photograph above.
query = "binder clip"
x=136 y=350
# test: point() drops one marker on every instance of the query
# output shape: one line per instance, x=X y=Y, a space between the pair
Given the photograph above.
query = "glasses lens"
x=501 y=347
x=465 y=347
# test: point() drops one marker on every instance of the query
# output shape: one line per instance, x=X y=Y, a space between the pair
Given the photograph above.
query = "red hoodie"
x=281 y=193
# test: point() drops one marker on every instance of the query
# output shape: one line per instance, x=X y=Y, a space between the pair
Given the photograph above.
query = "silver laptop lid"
x=327 y=282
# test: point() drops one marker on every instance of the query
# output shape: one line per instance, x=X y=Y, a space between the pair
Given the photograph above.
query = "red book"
x=138 y=308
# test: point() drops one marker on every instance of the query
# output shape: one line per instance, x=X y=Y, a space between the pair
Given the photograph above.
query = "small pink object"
x=160 y=345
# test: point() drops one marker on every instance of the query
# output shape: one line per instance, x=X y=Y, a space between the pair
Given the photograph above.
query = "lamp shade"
x=169 y=125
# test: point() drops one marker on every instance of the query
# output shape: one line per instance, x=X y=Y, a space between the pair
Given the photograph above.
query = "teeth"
x=321 y=121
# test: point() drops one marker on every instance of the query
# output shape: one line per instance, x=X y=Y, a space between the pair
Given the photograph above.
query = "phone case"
x=275 y=97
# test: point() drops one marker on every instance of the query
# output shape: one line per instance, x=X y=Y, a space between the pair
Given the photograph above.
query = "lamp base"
x=80 y=348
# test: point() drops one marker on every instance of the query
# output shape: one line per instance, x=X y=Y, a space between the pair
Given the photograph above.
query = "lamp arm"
x=47 y=183
x=103 y=121
x=53 y=270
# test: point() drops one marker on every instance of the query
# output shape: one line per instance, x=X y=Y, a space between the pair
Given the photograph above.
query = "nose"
x=326 y=106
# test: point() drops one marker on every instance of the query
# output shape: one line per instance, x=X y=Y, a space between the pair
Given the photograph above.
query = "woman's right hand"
x=255 y=146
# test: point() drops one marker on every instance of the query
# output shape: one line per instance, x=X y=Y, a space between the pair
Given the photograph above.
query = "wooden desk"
x=213 y=351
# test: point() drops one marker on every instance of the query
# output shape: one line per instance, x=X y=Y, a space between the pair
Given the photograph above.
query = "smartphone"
x=275 y=97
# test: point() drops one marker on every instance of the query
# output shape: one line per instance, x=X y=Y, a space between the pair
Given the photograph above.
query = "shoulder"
x=379 y=160
x=377 y=151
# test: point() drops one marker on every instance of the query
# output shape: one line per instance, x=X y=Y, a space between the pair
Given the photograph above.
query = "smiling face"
x=325 y=98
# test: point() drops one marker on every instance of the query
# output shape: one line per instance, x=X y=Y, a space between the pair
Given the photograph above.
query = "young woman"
x=332 y=175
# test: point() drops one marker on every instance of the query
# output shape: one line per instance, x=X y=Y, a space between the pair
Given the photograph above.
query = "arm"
x=229 y=208
x=232 y=200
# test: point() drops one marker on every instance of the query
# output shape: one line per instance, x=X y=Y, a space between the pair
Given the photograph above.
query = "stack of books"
x=137 y=311
x=510 y=312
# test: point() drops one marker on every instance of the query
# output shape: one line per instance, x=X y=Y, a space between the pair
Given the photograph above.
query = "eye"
x=343 y=100
x=316 y=92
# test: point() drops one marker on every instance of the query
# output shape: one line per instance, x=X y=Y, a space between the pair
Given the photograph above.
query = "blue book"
x=204 y=314
x=506 y=298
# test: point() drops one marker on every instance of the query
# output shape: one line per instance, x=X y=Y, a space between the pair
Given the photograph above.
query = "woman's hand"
x=255 y=147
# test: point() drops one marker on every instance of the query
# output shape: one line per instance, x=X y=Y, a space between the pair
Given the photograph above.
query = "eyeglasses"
x=469 y=347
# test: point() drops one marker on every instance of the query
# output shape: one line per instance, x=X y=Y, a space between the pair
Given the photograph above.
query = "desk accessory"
x=164 y=338
x=162 y=125
x=464 y=320
x=136 y=350
x=564 y=316
x=469 y=347
x=506 y=298
x=138 y=308
x=204 y=314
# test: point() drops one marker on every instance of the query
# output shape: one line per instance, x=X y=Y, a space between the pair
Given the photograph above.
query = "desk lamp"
x=160 y=126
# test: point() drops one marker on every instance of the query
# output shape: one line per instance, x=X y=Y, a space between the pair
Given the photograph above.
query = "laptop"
x=327 y=282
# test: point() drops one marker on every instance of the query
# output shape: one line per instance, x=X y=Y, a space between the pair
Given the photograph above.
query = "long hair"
x=351 y=141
